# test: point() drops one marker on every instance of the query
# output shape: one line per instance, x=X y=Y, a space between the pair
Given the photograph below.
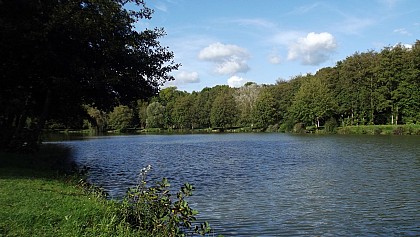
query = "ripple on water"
x=275 y=184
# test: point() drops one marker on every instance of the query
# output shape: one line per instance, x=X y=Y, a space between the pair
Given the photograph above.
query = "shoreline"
x=405 y=129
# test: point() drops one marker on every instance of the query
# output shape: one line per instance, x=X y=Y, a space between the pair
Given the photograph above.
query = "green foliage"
x=153 y=209
x=264 y=112
x=98 y=119
x=331 y=125
x=183 y=112
x=155 y=115
x=142 y=113
x=120 y=118
x=313 y=102
x=203 y=104
x=299 y=128
x=381 y=129
x=224 y=110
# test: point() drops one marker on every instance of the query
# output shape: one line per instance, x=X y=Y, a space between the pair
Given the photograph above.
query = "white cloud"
x=183 y=78
x=274 y=59
x=236 y=81
x=313 y=49
x=229 y=59
x=219 y=51
x=402 y=31
x=187 y=77
x=230 y=67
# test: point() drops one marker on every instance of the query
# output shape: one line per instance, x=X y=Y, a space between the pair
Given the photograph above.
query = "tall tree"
x=397 y=78
x=224 y=110
x=98 y=119
x=246 y=97
x=142 y=112
x=359 y=93
x=393 y=72
x=59 y=55
x=265 y=110
x=409 y=89
x=202 y=105
x=182 y=113
x=167 y=98
x=155 y=115
x=313 y=102
x=284 y=93
x=120 y=118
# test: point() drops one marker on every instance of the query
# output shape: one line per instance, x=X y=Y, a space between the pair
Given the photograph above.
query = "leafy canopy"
x=59 y=55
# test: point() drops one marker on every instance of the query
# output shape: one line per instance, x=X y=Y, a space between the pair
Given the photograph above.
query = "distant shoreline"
x=412 y=129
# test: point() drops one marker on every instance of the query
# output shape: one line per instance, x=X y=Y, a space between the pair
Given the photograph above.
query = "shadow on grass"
x=52 y=161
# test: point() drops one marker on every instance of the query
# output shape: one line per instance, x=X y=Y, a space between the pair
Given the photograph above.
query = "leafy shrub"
x=377 y=131
x=273 y=128
x=331 y=126
x=398 y=131
x=153 y=210
x=299 y=128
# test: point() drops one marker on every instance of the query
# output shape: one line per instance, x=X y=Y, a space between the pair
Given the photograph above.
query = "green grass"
x=38 y=199
x=412 y=129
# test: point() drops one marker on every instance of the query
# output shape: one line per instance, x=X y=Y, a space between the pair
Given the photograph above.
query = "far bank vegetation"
x=370 y=89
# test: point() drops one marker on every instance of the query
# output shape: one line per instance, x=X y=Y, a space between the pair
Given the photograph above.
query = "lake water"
x=274 y=184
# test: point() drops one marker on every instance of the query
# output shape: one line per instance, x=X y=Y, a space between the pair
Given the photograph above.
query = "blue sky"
x=231 y=42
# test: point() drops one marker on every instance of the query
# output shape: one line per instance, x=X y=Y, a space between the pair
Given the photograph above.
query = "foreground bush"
x=152 y=209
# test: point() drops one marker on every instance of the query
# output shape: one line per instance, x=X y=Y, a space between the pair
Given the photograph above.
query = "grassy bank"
x=38 y=199
x=381 y=129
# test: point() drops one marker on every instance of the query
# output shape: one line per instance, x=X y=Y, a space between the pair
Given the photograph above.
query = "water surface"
x=274 y=184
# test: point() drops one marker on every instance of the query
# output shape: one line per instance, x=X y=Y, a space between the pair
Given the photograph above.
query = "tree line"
x=364 y=89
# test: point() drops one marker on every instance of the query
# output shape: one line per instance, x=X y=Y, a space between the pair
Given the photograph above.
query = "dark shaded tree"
x=59 y=55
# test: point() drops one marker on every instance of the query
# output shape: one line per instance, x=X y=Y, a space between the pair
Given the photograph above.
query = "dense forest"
x=363 y=89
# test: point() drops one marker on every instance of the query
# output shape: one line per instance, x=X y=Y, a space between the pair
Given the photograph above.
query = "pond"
x=274 y=184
